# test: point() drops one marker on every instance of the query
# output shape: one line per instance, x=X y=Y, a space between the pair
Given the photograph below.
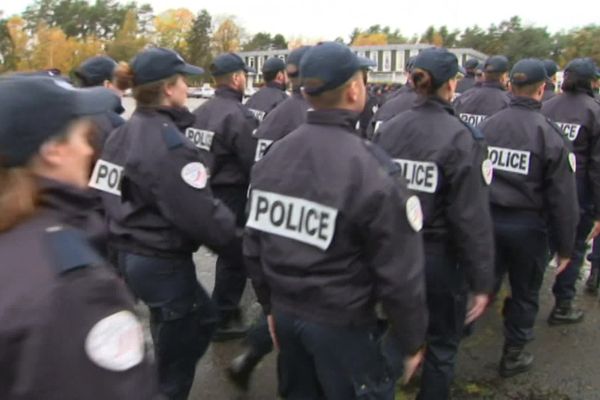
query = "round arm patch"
x=195 y=175
x=414 y=214
x=487 y=170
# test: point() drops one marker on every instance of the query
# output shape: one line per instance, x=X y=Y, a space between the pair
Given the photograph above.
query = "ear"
x=51 y=152
x=353 y=92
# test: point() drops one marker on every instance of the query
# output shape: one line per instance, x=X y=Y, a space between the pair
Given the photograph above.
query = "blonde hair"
x=19 y=196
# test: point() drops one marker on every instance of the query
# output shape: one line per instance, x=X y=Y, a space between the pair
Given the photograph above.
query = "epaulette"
x=172 y=137
x=69 y=249
x=382 y=157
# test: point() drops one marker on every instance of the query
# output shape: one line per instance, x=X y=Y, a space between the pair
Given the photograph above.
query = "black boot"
x=591 y=285
x=230 y=327
x=514 y=361
x=564 y=313
x=241 y=368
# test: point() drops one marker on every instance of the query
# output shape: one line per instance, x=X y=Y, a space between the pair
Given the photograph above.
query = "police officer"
x=402 y=101
x=468 y=81
x=482 y=101
x=329 y=238
x=224 y=126
x=551 y=70
x=289 y=114
x=444 y=161
x=578 y=115
x=273 y=93
x=156 y=192
x=67 y=324
x=104 y=71
x=533 y=192
x=371 y=103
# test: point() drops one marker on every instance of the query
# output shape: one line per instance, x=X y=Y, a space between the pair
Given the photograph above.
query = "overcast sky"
x=328 y=19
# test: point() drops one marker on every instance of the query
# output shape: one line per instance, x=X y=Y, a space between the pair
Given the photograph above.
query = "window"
x=251 y=62
x=400 y=60
x=387 y=61
x=373 y=55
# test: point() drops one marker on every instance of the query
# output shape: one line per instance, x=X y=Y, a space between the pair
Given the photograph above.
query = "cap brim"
x=95 y=100
x=249 y=70
x=189 y=69
x=366 y=63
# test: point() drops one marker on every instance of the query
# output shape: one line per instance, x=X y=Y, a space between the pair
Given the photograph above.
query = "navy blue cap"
x=273 y=64
x=34 y=109
x=551 y=67
x=227 y=63
x=410 y=63
x=479 y=67
x=528 y=71
x=157 y=63
x=472 y=63
x=440 y=63
x=582 y=68
x=329 y=65
x=367 y=62
x=296 y=55
x=96 y=70
x=496 y=64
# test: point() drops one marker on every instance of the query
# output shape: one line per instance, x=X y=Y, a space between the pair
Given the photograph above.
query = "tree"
x=370 y=39
x=172 y=28
x=582 y=42
x=279 y=42
x=199 y=41
x=227 y=37
x=376 y=34
x=7 y=47
x=128 y=41
x=440 y=37
x=16 y=29
x=260 y=41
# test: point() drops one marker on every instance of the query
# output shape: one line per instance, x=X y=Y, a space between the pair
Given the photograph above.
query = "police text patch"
x=472 y=119
x=107 y=177
x=201 y=138
x=293 y=218
x=261 y=147
x=571 y=131
x=509 y=160
x=421 y=175
x=259 y=115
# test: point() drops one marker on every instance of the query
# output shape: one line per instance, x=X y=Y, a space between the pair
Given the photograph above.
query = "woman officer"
x=154 y=185
x=444 y=162
x=67 y=328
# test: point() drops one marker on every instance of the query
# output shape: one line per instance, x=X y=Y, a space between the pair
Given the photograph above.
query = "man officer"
x=533 y=193
x=224 y=127
x=468 y=81
x=551 y=70
x=327 y=239
x=273 y=93
x=484 y=100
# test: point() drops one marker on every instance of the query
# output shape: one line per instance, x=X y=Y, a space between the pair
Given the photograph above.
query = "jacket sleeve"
x=395 y=253
x=468 y=211
x=561 y=195
x=252 y=261
x=185 y=198
x=594 y=163
x=243 y=140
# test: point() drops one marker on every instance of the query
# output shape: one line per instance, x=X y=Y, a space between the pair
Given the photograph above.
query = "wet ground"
x=567 y=363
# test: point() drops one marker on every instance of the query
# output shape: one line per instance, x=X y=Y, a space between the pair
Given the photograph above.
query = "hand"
x=594 y=232
x=271 y=322
x=411 y=364
x=561 y=264
x=480 y=302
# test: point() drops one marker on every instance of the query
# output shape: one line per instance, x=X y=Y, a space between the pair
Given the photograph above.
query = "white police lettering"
x=107 y=177
x=202 y=139
x=259 y=115
x=195 y=175
x=573 y=162
x=293 y=218
x=261 y=146
x=414 y=213
x=472 y=119
x=421 y=175
x=116 y=342
x=487 y=170
x=571 y=131
x=510 y=160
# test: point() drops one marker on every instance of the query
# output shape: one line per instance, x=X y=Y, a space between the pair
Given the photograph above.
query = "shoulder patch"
x=384 y=160
x=172 y=137
x=116 y=342
x=195 y=175
x=69 y=249
x=477 y=134
x=414 y=214
x=487 y=171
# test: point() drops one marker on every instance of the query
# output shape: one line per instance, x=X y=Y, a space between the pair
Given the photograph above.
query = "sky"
x=328 y=19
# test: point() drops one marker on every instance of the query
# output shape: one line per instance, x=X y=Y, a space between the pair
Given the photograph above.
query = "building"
x=390 y=59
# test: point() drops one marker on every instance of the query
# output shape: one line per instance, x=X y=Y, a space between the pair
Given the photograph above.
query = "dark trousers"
x=259 y=338
x=182 y=316
x=319 y=361
x=564 y=285
x=230 y=277
x=447 y=304
x=522 y=253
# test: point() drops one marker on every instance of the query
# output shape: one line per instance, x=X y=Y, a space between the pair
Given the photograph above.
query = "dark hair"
x=525 y=90
x=423 y=82
x=123 y=76
x=151 y=94
x=19 y=196
x=572 y=83
x=269 y=76
x=492 y=76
